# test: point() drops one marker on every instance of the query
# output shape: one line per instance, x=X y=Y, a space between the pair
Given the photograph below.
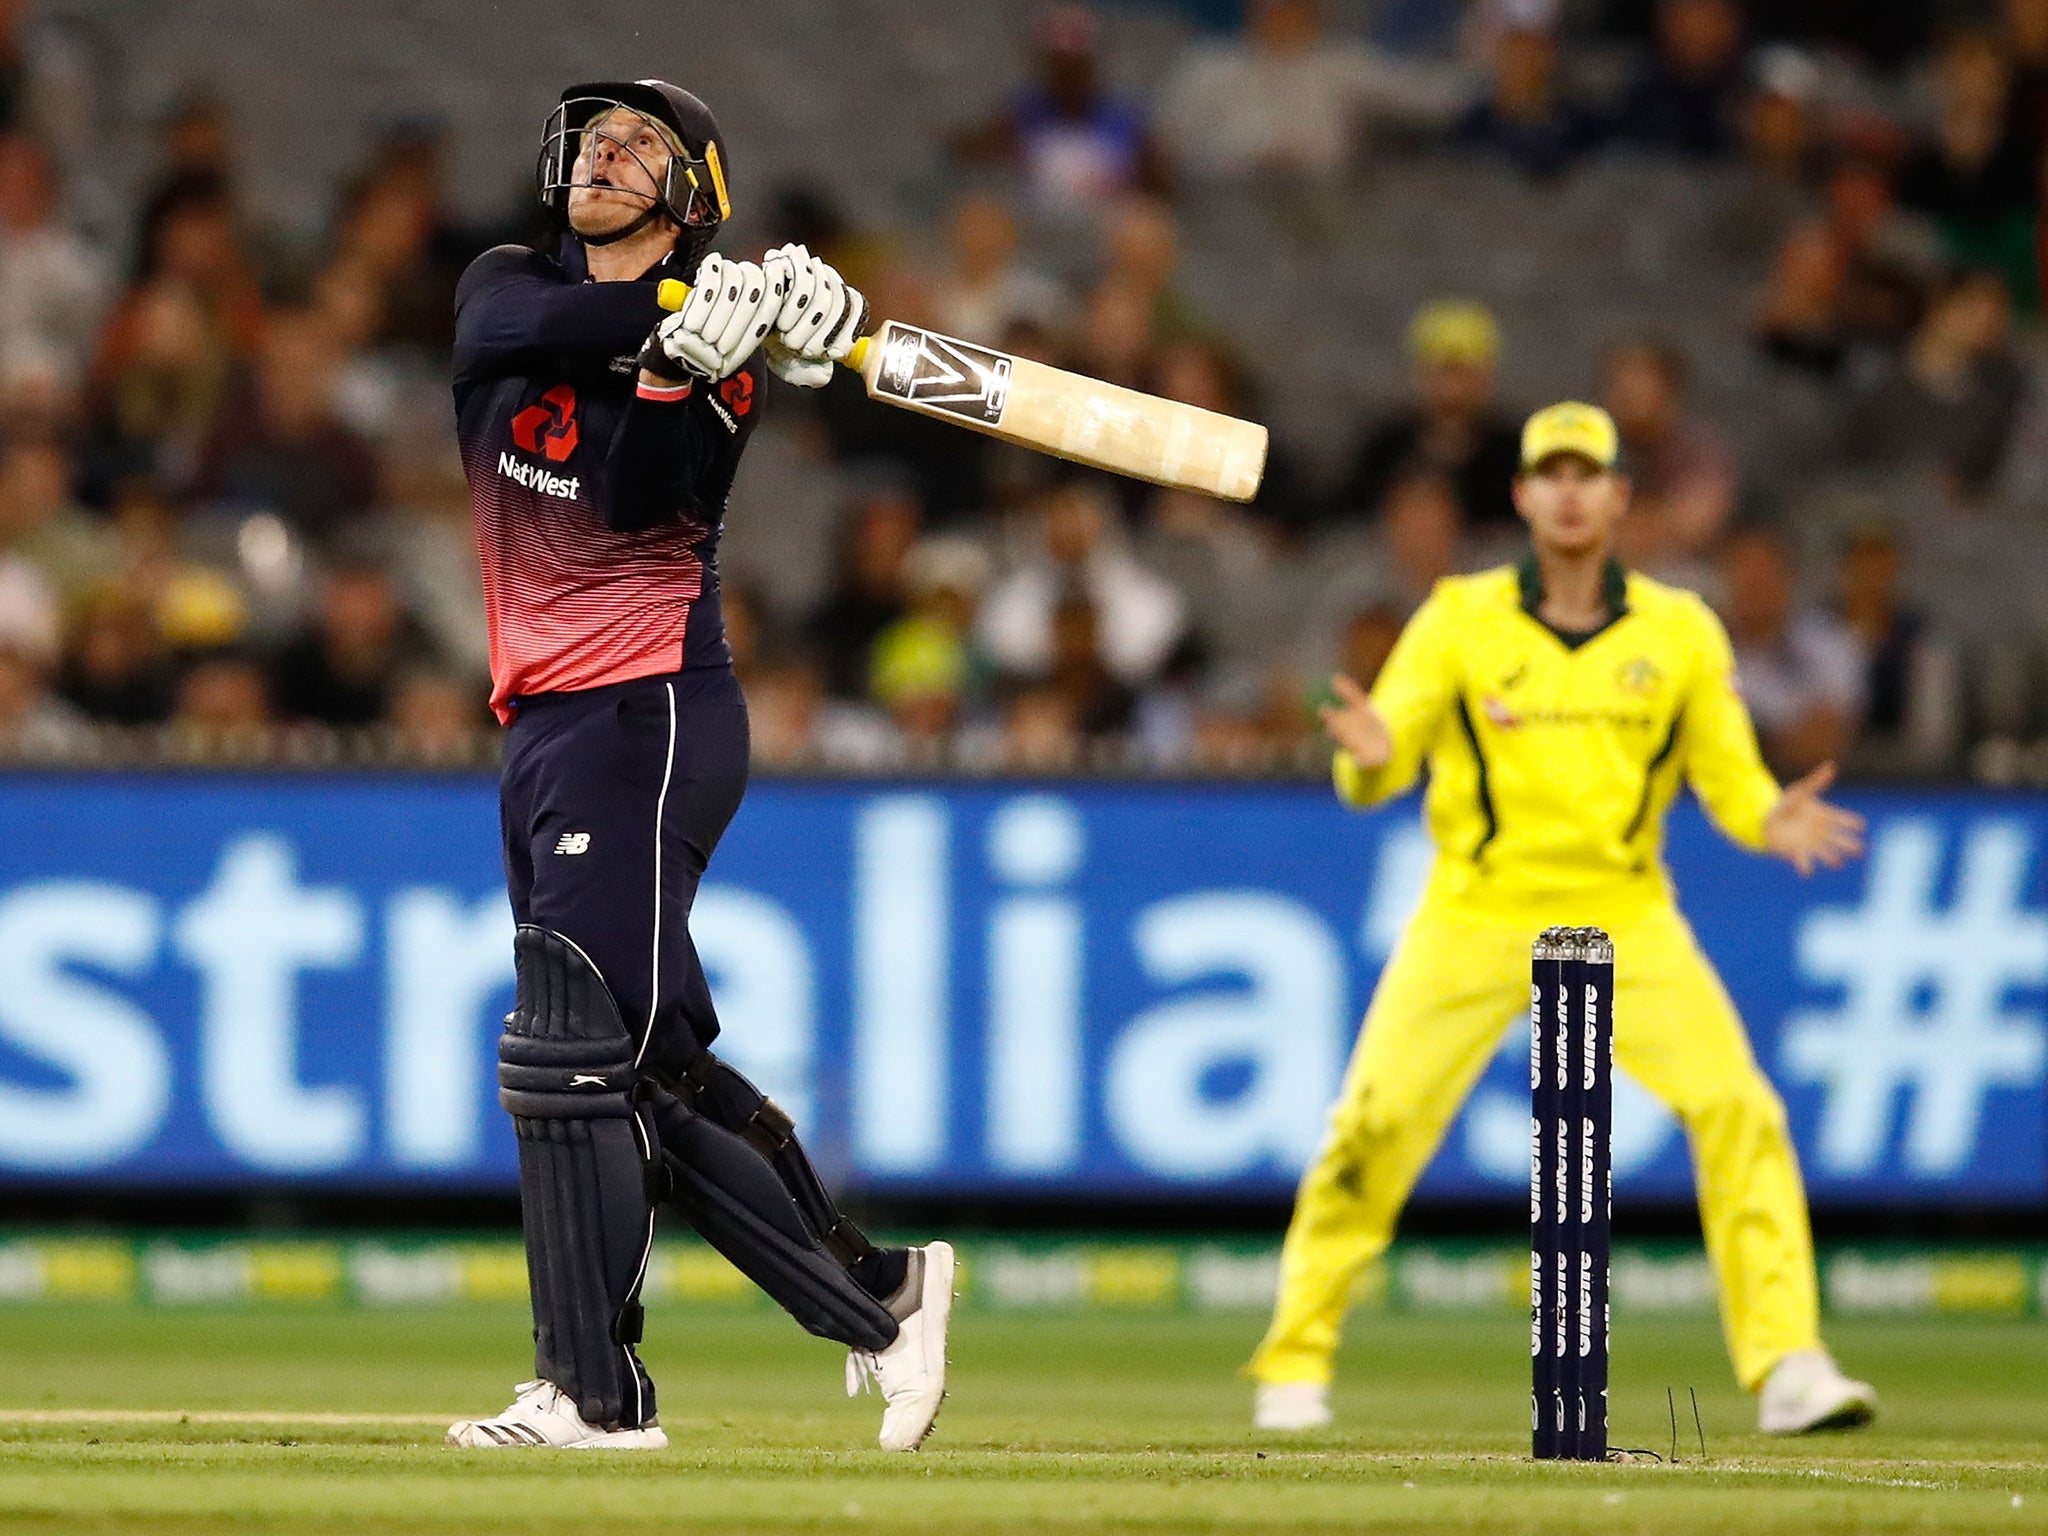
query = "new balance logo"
x=573 y=843
x=588 y=1080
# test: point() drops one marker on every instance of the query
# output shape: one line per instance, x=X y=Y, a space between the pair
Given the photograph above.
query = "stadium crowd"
x=231 y=520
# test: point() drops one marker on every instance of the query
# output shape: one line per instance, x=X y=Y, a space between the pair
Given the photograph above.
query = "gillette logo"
x=1586 y=1175
x=534 y=478
x=1585 y=1304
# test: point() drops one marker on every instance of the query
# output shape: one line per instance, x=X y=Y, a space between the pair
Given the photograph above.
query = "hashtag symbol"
x=1924 y=1009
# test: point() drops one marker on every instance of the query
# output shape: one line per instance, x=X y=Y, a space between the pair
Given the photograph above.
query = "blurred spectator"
x=1858 y=275
x=1077 y=145
x=437 y=716
x=1778 y=122
x=1952 y=399
x=1683 y=100
x=390 y=226
x=222 y=692
x=285 y=451
x=164 y=359
x=1040 y=731
x=985 y=291
x=2024 y=41
x=1521 y=117
x=1285 y=101
x=345 y=669
x=1452 y=425
x=1074 y=552
x=53 y=283
x=1415 y=544
x=195 y=138
x=194 y=606
x=13 y=66
x=1800 y=671
x=924 y=667
x=868 y=590
x=1367 y=640
x=783 y=703
x=1684 y=475
x=1974 y=177
x=433 y=552
x=31 y=620
x=34 y=722
x=116 y=668
x=1912 y=677
x=1144 y=256
x=1097 y=701
x=41 y=524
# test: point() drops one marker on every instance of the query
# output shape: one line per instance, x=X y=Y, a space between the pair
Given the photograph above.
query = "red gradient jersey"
x=598 y=503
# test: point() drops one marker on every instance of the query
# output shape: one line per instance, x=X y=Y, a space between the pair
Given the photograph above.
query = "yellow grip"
x=672 y=293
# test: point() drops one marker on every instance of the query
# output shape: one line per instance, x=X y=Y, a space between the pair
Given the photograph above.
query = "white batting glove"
x=822 y=316
x=732 y=307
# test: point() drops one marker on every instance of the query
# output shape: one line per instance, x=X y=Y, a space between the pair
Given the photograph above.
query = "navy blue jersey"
x=598 y=501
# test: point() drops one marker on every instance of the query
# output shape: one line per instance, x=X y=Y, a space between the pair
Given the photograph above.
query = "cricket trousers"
x=1436 y=1019
x=611 y=801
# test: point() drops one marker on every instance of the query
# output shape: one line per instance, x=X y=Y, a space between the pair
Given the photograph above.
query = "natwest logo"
x=550 y=426
x=535 y=478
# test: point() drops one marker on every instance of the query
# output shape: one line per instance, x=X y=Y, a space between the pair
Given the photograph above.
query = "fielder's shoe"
x=911 y=1372
x=543 y=1415
x=1291 y=1405
x=1806 y=1391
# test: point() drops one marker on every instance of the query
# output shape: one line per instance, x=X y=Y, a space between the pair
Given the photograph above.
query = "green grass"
x=1081 y=1424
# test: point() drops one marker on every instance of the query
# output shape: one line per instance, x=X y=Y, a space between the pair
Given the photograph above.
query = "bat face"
x=936 y=372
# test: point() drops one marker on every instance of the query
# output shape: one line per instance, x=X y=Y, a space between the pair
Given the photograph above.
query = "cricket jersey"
x=598 y=501
x=1552 y=757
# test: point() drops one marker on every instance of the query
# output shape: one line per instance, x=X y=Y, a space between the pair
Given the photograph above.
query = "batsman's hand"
x=1807 y=832
x=822 y=316
x=1356 y=726
x=731 y=308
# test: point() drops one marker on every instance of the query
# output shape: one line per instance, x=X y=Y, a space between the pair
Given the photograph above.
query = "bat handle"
x=672 y=293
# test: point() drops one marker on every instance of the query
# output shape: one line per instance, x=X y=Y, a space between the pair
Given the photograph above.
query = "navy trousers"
x=611 y=801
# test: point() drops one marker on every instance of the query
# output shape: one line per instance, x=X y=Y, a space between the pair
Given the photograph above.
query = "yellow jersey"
x=1553 y=758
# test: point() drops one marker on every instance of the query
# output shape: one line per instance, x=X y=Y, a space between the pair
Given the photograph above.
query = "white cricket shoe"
x=1807 y=1391
x=543 y=1415
x=911 y=1372
x=1292 y=1405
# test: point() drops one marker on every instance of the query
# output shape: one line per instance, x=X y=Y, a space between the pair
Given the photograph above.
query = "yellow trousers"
x=1437 y=1018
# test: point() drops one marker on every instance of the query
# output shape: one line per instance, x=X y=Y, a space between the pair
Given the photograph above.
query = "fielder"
x=1559 y=706
x=600 y=436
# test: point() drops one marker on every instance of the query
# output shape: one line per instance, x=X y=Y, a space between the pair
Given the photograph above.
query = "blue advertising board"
x=1059 y=989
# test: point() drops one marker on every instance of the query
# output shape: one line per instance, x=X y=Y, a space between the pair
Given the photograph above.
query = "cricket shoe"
x=544 y=1415
x=1291 y=1405
x=911 y=1371
x=1807 y=1391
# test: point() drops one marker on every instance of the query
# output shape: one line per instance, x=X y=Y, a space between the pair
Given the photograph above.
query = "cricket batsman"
x=1559 y=706
x=600 y=435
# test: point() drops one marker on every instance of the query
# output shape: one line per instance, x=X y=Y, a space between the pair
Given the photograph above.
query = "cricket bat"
x=1065 y=414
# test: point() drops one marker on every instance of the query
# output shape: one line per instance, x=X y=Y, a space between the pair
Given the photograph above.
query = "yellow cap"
x=1454 y=331
x=1571 y=427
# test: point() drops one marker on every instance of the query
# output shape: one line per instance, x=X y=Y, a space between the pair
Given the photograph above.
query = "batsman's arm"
x=1412 y=698
x=513 y=302
x=1722 y=761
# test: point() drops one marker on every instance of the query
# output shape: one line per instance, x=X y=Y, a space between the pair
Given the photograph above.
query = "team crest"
x=1638 y=675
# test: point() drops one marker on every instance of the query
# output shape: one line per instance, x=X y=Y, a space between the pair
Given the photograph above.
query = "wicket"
x=1571 y=1193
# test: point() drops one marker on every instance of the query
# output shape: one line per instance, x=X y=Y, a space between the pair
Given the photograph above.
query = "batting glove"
x=822 y=316
x=732 y=307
